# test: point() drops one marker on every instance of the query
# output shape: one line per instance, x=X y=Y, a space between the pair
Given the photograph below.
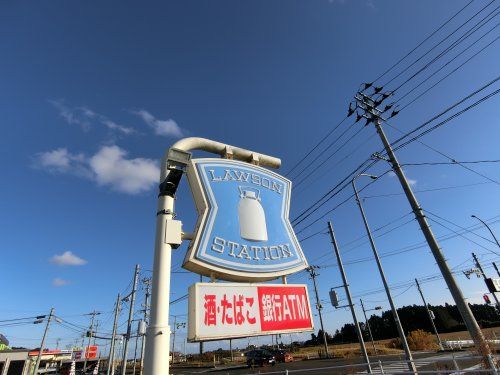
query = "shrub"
x=421 y=340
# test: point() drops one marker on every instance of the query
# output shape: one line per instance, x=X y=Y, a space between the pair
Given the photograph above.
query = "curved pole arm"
x=183 y=147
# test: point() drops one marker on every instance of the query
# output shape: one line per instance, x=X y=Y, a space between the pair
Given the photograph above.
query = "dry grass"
x=421 y=341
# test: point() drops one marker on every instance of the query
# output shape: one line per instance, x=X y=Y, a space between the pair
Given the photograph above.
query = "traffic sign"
x=243 y=231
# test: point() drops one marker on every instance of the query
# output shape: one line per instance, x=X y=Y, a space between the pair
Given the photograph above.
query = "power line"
x=437 y=44
x=339 y=204
x=317 y=166
x=453 y=162
x=448 y=109
x=464 y=36
x=460 y=227
x=333 y=191
x=315 y=147
x=355 y=149
x=427 y=190
x=408 y=248
x=474 y=43
x=422 y=42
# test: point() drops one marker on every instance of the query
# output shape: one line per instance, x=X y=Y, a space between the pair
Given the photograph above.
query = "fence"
x=446 y=364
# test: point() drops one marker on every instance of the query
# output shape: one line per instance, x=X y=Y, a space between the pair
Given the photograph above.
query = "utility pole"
x=135 y=348
x=146 y=314
x=496 y=268
x=395 y=315
x=85 y=350
x=368 y=325
x=478 y=265
x=173 y=340
x=349 y=298
x=430 y=317
x=372 y=114
x=42 y=344
x=95 y=331
x=319 y=307
x=130 y=317
x=111 y=355
x=174 y=331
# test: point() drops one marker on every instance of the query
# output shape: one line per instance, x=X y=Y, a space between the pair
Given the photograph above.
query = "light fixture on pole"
x=487 y=227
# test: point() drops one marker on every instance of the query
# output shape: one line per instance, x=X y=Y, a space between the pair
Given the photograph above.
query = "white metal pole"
x=158 y=331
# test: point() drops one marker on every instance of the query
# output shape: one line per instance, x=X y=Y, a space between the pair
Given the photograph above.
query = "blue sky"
x=92 y=95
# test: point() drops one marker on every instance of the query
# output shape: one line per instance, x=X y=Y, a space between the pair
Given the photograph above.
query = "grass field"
x=351 y=350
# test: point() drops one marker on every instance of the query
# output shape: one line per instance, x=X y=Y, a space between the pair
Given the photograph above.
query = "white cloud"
x=68 y=259
x=84 y=117
x=57 y=282
x=58 y=160
x=73 y=116
x=111 y=168
x=168 y=128
x=107 y=167
x=114 y=126
x=411 y=181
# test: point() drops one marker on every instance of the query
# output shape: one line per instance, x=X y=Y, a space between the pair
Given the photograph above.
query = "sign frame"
x=204 y=207
x=194 y=311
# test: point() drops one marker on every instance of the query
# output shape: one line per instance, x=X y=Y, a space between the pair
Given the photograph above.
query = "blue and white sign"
x=243 y=231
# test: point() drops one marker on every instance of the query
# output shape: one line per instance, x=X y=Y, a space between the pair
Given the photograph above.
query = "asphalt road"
x=391 y=365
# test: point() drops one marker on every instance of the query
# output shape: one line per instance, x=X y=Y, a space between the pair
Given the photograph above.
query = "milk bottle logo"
x=251 y=215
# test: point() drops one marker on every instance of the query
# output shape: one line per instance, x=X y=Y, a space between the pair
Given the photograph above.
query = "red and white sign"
x=224 y=310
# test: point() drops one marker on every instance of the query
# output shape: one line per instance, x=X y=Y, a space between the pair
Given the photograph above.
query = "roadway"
x=391 y=365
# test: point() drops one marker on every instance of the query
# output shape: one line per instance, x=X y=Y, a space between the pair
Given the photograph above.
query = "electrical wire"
x=406 y=249
x=447 y=75
x=315 y=147
x=437 y=44
x=434 y=127
x=334 y=191
x=462 y=235
x=422 y=42
x=427 y=190
x=448 y=109
x=453 y=162
x=460 y=40
x=474 y=43
x=462 y=228
x=328 y=157
x=348 y=155
x=340 y=204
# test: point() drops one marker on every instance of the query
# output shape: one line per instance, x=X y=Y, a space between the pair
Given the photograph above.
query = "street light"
x=402 y=336
x=487 y=226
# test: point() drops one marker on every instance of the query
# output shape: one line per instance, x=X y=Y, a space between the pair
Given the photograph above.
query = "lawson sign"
x=243 y=231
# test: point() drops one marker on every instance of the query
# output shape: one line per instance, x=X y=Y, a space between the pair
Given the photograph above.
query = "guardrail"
x=453 y=344
x=447 y=364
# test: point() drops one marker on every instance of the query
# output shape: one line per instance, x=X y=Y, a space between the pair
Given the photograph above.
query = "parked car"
x=282 y=356
x=260 y=357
